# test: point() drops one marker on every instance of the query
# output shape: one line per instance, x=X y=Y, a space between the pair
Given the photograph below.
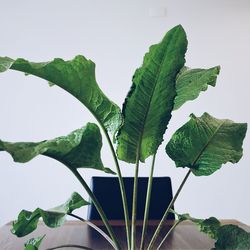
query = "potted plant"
x=160 y=86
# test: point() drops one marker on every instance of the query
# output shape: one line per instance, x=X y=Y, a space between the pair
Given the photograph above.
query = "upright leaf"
x=33 y=243
x=147 y=108
x=79 y=149
x=76 y=77
x=190 y=82
x=27 y=221
x=204 y=143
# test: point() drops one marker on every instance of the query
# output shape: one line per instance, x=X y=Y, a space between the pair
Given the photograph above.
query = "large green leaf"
x=208 y=226
x=27 y=221
x=190 y=82
x=147 y=108
x=33 y=243
x=232 y=237
x=78 y=78
x=204 y=143
x=227 y=236
x=79 y=149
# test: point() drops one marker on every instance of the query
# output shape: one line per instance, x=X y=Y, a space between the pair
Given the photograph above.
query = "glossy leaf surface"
x=77 y=77
x=204 y=143
x=148 y=105
x=79 y=149
x=27 y=221
x=190 y=82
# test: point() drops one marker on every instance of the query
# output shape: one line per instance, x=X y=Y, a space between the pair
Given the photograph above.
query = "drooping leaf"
x=33 y=243
x=208 y=226
x=147 y=108
x=190 y=82
x=204 y=143
x=27 y=221
x=78 y=78
x=79 y=149
x=227 y=236
x=232 y=237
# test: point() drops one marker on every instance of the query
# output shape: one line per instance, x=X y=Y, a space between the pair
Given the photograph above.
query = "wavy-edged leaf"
x=190 y=82
x=208 y=226
x=232 y=237
x=33 y=243
x=27 y=221
x=79 y=149
x=227 y=236
x=204 y=143
x=147 y=108
x=77 y=77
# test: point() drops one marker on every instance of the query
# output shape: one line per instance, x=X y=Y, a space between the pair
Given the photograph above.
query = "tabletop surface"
x=185 y=236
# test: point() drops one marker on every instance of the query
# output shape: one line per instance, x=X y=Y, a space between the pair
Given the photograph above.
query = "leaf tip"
x=179 y=27
x=193 y=116
x=109 y=171
x=218 y=68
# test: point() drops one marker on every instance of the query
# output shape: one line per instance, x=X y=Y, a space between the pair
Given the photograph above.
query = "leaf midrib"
x=29 y=222
x=207 y=144
x=148 y=107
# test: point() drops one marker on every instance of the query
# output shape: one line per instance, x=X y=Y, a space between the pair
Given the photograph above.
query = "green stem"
x=122 y=189
x=98 y=208
x=134 y=205
x=75 y=246
x=168 y=233
x=147 y=205
x=157 y=231
x=100 y=231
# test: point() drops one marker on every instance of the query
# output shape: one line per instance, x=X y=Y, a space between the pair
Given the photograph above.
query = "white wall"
x=115 y=35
